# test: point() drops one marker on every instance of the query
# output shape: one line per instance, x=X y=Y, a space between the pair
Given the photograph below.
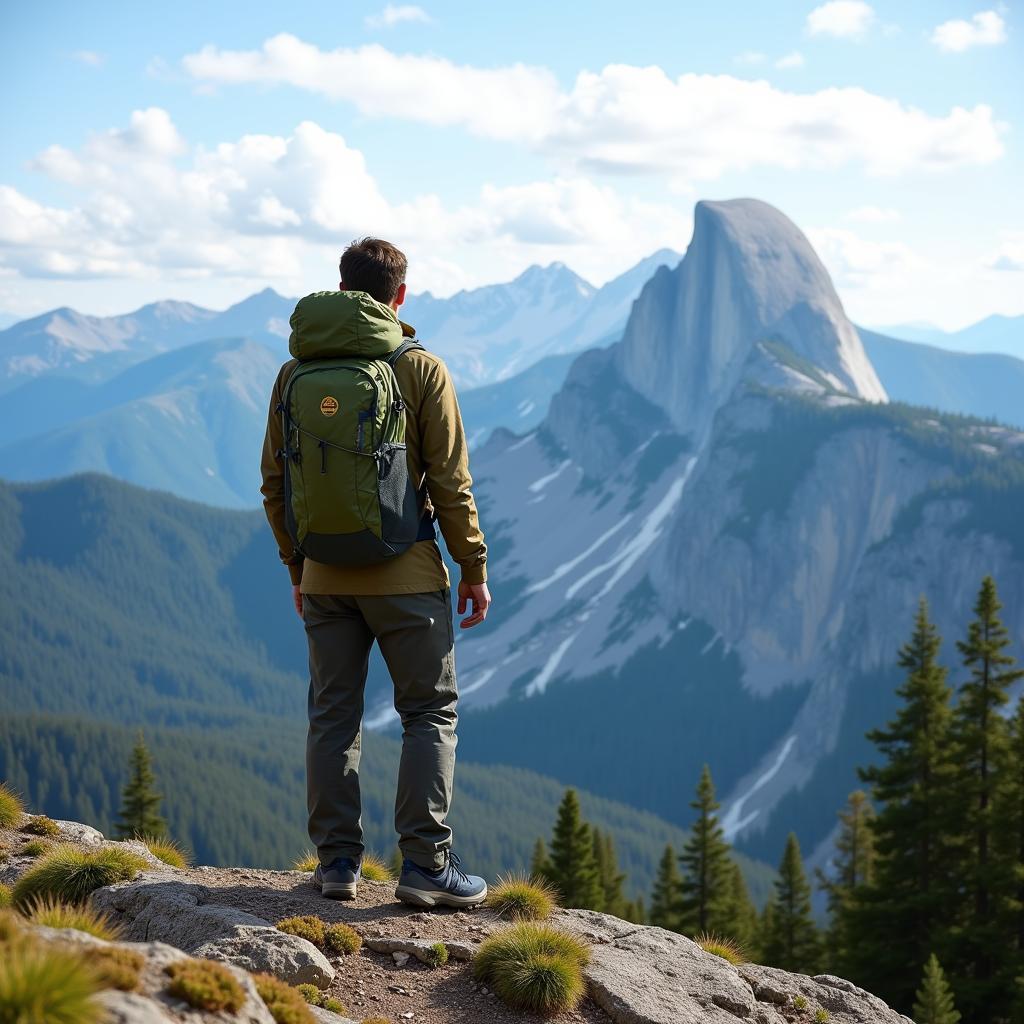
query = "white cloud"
x=791 y=60
x=626 y=118
x=266 y=207
x=873 y=215
x=395 y=14
x=986 y=28
x=1010 y=255
x=749 y=57
x=90 y=58
x=856 y=262
x=845 y=19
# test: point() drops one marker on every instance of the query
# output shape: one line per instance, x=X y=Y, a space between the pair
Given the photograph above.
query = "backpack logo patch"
x=329 y=405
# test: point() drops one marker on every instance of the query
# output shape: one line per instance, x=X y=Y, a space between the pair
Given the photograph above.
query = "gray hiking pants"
x=416 y=638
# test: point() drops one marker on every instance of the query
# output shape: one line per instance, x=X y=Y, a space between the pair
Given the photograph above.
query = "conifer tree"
x=853 y=868
x=540 y=866
x=573 y=869
x=792 y=942
x=667 y=892
x=613 y=900
x=140 y=803
x=934 y=1003
x=982 y=964
x=1011 y=816
x=705 y=861
x=895 y=921
x=737 y=915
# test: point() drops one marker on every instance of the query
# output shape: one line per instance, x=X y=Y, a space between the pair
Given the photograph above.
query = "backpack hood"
x=341 y=324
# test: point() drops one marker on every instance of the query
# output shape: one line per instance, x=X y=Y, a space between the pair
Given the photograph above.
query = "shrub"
x=307 y=862
x=521 y=898
x=205 y=984
x=438 y=955
x=534 y=967
x=286 y=1004
x=5 y=896
x=800 y=1002
x=821 y=1015
x=375 y=869
x=308 y=927
x=54 y=913
x=40 y=983
x=70 y=874
x=41 y=825
x=35 y=848
x=315 y=997
x=342 y=938
x=721 y=946
x=117 y=968
x=167 y=850
x=11 y=807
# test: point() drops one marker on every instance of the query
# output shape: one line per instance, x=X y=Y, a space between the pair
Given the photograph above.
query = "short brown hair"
x=374 y=266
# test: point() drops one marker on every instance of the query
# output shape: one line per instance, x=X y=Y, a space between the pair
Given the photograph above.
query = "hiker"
x=364 y=450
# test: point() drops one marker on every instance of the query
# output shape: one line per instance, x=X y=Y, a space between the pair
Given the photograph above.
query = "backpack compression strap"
x=400 y=351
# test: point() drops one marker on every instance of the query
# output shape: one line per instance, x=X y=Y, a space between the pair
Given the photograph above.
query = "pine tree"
x=614 y=901
x=667 y=893
x=705 y=861
x=853 y=868
x=934 y=1003
x=540 y=866
x=737 y=915
x=573 y=869
x=895 y=921
x=1011 y=816
x=981 y=965
x=140 y=803
x=792 y=942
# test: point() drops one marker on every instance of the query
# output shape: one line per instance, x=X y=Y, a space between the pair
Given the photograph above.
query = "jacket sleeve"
x=446 y=468
x=272 y=466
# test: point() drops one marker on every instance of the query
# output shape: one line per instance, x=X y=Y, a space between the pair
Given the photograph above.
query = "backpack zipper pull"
x=323 y=456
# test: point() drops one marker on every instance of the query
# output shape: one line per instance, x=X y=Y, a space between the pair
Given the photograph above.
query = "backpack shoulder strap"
x=401 y=350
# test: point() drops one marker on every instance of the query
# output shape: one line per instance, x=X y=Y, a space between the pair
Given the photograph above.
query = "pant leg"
x=339 y=650
x=415 y=635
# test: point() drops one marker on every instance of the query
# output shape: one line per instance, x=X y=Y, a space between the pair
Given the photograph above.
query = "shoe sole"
x=338 y=890
x=433 y=898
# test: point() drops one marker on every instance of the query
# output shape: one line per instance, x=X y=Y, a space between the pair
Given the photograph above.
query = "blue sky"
x=203 y=151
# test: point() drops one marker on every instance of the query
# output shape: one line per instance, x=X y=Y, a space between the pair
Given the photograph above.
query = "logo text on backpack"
x=329 y=406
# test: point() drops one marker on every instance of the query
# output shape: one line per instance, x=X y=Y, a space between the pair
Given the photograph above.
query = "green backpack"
x=348 y=496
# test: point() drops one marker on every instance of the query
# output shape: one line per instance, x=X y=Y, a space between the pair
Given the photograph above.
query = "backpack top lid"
x=341 y=324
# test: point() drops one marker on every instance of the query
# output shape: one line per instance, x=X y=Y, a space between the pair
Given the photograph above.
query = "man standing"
x=402 y=602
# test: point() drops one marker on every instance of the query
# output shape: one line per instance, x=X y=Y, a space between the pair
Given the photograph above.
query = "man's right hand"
x=297 y=599
x=480 y=596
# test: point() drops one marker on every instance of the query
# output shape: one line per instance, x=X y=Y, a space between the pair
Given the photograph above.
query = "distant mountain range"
x=174 y=396
x=994 y=334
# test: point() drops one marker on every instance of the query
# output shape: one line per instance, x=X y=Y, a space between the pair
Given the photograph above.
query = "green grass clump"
x=799 y=1002
x=41 y=825
x=117 y=968
x=438 y=954
x=721 y=946
x=167 y=850
x=307 y=862
x=11 y=807
x=308 y=927
x=35 y=848
x=375 y=869
x=521 y=898
x=70 y=874
x=315 y=997
x=534 y=967
x=286 y=1004
x=43 y=984
x=821 y=1015
x=205 y=984
x=5 y=895
x=342 y=938
x=54 y=913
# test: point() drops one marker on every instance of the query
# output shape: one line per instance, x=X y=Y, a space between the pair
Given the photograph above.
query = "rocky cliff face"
x=637 y=975
x=712 y=548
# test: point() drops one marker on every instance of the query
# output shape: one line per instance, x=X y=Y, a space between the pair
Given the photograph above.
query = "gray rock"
x=160 y=906
x=327 y=1017
x=76 y=832
x=419 y=948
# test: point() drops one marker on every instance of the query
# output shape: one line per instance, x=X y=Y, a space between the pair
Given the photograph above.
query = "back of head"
x=374 y=266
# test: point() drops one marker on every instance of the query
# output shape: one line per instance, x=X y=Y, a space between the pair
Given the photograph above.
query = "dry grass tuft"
x=522 y=898
x=55 y=913
x=721 y=946
x=70 y=874
x=205 y=985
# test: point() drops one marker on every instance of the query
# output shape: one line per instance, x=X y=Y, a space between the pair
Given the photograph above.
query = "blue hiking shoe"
x=449 y=886
x=339 y=879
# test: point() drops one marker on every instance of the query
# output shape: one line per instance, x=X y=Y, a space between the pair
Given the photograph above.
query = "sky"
x=204 y=151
